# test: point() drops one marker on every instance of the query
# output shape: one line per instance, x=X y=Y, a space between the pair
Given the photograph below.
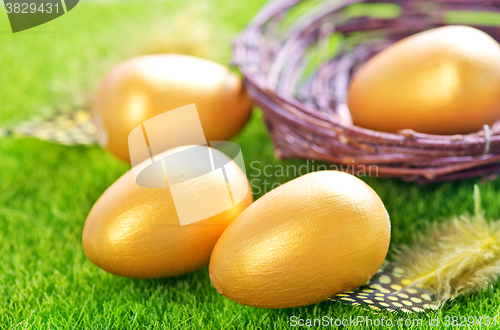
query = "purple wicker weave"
x=298 y=58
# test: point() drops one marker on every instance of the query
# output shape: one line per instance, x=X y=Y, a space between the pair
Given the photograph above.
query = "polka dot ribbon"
x=389 y=290
x=73 y=128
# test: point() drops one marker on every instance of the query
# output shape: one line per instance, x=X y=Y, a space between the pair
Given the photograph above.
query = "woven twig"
x=306 y=110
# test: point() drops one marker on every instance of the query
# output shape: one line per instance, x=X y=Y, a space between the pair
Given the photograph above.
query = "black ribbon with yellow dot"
x=68 y=128
x=389 y=290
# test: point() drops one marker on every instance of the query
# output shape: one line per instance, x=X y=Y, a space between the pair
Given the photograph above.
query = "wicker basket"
x=298 y=57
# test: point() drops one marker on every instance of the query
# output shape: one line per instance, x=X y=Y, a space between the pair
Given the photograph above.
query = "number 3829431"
x=31 y=8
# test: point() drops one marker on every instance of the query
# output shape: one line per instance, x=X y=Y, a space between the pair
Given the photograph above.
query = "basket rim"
x=475 y=149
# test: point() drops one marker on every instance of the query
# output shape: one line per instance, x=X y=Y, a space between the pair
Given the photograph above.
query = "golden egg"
x=143 y=87
x=303 y=242
x=441 y=81
x=136 y=232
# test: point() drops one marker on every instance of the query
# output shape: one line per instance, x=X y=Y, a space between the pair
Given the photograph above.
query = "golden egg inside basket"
x=410 y=89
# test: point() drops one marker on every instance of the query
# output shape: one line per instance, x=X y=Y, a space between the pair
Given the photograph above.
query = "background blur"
x=47 y=190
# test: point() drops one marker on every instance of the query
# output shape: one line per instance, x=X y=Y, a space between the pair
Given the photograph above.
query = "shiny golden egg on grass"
x=136 y=232
x=303 y=242
x=441 y=81
x=143 y=87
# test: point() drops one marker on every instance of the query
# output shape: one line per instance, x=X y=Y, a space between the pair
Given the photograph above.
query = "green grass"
x=46 y=190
